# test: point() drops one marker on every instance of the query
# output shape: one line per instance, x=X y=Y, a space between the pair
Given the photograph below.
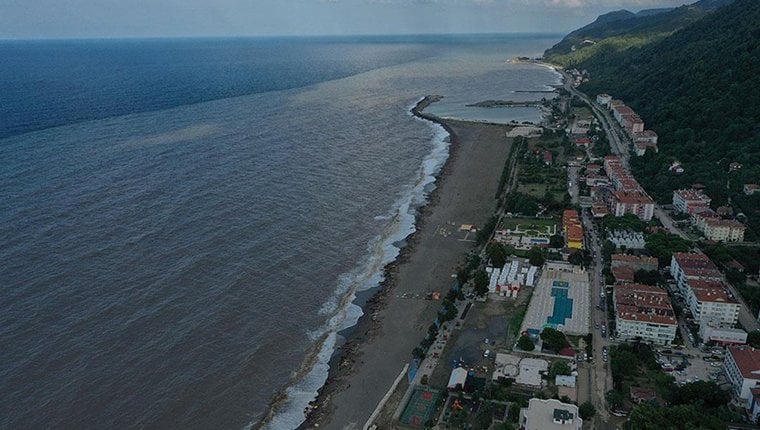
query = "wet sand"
x=380 y=345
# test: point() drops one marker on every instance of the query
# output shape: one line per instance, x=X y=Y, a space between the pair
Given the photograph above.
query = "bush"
x=525 y=343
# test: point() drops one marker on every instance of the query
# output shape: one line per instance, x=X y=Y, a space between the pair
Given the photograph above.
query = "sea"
x=185 y=223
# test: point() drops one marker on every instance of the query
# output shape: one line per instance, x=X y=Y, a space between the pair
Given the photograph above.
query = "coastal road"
x=610 y=127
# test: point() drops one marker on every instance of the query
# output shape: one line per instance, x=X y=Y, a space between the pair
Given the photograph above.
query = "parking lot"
x=692 y=365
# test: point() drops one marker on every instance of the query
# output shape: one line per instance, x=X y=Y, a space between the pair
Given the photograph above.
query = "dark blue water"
x=183 y=223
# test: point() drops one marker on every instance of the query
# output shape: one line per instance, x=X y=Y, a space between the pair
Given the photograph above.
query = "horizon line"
x=279 y=36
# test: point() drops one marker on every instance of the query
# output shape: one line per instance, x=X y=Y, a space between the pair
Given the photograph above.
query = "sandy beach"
x=397 y=317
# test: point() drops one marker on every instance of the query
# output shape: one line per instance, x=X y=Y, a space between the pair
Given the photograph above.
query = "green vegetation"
x=586 y=410
x=753 y=338
x=662 y=245
x=620 y=30
x=486 y=231
x=480 y=282
x=553 y=339
x=652 y=277
x=625 y=222
x=559 y=367
x=515 y=321
x=497 y=253
x=536 y=256
x=650 y=417
x=525 y=343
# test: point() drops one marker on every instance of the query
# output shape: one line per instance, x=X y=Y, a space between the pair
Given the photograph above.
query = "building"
x=620 y=111
x=647 y=137
x=548 y=158
x=742 y=366
x=623 y=274
x=457 y=379
x=709 y=300
x=634 y=262
x=645 y=312
x=753 y=405
x=710 y=330
x=750 y=189
x=550 y=414
x=723 y=230
x=640 y=395
x=690 y=200
x=685 y=267
x=603 y=99
x=573 y=229
x=632 y=202
x=698 y=219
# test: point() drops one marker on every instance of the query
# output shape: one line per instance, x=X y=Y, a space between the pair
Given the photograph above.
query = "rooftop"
x=747 y=360
x=551 y=414
x=646 y=303
x=691 y=194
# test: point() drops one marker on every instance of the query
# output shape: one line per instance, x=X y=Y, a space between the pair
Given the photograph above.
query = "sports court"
x=421 y=406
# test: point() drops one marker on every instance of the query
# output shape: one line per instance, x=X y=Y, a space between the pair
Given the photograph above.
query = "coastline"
x=380 y=343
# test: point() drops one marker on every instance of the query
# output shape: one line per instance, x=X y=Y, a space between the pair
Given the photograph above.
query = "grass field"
x=530 y=225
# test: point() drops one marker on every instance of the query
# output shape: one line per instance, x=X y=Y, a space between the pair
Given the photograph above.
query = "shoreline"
x=363 y=367
x=344 y=356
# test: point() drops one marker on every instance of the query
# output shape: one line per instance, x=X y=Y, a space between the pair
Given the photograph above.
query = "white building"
x=711 y=301
x=712 y=330
x=724 y=230
x=603 y=99
x=550 y=415
x=686 y=266
x=689 y=200
x=645 y=312
x=742 y=366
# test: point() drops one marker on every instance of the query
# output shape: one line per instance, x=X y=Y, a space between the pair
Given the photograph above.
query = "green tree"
x=559 y=367
x=649 y=417
x=485 y=417
x=651 y=277
x=556 y=241
x=614 y=399
x=525 y=344
x=753 y=338
x=703 y=394
x=553 y=339
x=575 y=258
x=536 y=256
x=480 y=282
x=497 y=253
x=586 y=410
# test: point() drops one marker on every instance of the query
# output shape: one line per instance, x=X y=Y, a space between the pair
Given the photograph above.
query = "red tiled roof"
x=747 y=360
x=623 y=273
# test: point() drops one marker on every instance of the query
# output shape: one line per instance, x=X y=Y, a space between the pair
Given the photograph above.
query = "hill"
x=699 y=89
x=623 y=29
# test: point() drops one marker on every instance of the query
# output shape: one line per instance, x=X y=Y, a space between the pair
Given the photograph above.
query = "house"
x=640 y=394
x=686 y=267
x=644 y=312
x=583 y=141
x=724 y=230
x=753 y=405
x=742 y=366
x=634 y=262
x=548 y=158
x=603 y=99
x=690 y=200
x=711 y=330
x=550 y=414
x=632 y=202
x=623 y=274
x=710 y=300
x=573 y=229
x=750 y=189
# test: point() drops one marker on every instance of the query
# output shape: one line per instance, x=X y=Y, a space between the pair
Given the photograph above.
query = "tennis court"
x=421 y=406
